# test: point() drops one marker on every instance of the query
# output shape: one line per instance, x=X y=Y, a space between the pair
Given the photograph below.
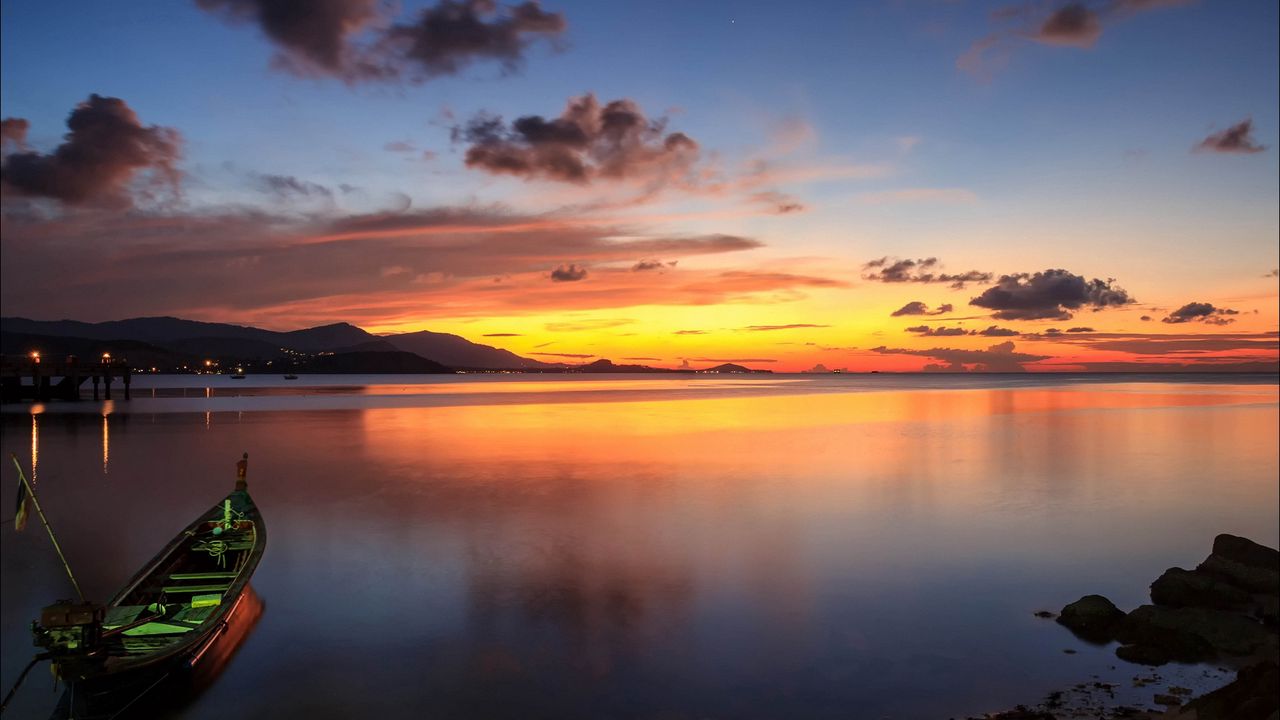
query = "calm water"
x=622 y=547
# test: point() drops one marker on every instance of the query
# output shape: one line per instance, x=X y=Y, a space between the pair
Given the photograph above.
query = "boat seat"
x=170 y=589
x=202 y=576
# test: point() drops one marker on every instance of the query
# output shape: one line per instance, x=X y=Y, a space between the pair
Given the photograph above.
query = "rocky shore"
x=1223 y=612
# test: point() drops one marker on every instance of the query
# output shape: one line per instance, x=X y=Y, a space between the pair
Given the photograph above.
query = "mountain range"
x=173 y=344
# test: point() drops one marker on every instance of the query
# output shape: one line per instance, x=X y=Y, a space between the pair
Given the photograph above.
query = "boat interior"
x=185 y=589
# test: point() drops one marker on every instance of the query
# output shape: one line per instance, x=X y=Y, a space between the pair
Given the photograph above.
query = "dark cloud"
x=915 y=307
x=1050 y=295
x=994 y=331
x=1071 y=24
x=589 y=142
x=351 y=40
x=455 y=33
x=564 y=355
x=1201 y=312
x=793 y=326
x=13 y=132
x=646 y=265
x=568 y=273
x=105 y=148
x=893 y=270
x=996 y=358
x=1236 y=139
x=1080 y=330
x=502 y=335
x=1146 y=318
x=1273 y=273
x=926 y=331
x=313 y=37
x=287 y=186
x=733 y=360
x=640 y=358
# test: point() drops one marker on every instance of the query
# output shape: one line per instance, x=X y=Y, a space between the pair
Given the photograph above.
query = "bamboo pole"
x=36 y=504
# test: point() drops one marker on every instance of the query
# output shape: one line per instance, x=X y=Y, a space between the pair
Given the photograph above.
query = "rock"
x=1194 y=634
x=1195 y=588
x=1092 y=618
x=1246 y=552
x=1252 y=696
x=1044 y=614
x=1248 y=577
x=1167 y=700
x=1143 y=655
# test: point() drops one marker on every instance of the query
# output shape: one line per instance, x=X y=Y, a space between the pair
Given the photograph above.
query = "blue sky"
x=1050 y=156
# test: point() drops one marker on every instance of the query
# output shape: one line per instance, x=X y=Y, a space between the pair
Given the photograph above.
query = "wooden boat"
x=164 y=620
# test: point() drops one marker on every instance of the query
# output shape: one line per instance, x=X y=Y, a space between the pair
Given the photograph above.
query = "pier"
x=41 y=379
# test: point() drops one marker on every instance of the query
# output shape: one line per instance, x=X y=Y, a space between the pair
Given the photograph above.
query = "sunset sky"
x=889 y=184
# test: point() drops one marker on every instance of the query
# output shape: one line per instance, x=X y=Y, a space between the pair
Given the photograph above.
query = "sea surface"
x=701 y=547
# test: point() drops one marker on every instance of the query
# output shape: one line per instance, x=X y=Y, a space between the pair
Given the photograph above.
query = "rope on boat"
x=21 y=677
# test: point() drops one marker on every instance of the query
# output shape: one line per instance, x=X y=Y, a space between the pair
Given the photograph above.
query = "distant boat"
x=290 y=376
x=238 y=376
x=164 y=620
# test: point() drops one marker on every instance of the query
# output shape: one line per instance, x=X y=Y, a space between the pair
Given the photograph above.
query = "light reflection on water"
x=734 y=552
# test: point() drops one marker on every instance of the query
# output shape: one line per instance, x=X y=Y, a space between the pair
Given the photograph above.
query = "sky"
x=896 y=185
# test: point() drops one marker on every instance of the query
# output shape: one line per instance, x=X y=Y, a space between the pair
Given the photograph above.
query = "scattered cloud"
x=400 y=146
x=1236 y=139
x=915 y=307
x=1201 y=312
x=926 y=331
x=792 y=326
x=1167 y=344
x=994 y=331
x=778 y=203
x=581 y=325
x=358 y=41
x=996 y=358
x=1273 y=273
x=1080 y=330
x=588 y=143
x=690 y=332
x=732 y=360
x=568 y=273
x=1048 y=295
x=893 y=270
x=563 y=355
x=502 y=335
x=105 y=149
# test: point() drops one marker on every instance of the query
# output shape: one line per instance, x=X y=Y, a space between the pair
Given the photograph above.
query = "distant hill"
x=372 y=362
x=458 y=352
x=732 y=368
x=607 y=366
x=168 y=330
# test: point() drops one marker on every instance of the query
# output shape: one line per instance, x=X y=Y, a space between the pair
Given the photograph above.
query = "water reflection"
x=739 y=555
